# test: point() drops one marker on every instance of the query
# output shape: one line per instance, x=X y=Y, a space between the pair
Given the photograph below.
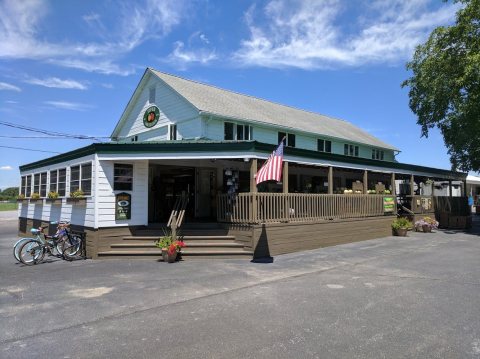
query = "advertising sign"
x=123 y=206
x=388 y=204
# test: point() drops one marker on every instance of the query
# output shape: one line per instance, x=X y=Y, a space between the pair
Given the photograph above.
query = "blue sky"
x=71 y=66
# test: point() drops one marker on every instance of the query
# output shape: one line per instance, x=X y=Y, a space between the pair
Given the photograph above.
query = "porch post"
x=330 y=180
x=412 y=185
x=365 y=182
x=464 y=194
x=393 y=184
x=253 y=172
x=285 y=177
x=253 y=190
x=450 y=188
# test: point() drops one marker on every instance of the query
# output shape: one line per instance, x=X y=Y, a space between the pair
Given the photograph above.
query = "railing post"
x=330 y=180
x=174 y=227
x=365 y=182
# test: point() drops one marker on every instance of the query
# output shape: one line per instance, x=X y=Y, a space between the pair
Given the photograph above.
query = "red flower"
x=172 y=249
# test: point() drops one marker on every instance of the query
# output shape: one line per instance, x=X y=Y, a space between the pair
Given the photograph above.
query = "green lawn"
x=8 y=206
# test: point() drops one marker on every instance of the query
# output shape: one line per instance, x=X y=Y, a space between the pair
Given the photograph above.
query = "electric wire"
x=28 y=149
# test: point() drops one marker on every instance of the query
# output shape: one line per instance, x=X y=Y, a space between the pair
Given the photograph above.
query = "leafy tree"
x=9 y=193
x=445 y=86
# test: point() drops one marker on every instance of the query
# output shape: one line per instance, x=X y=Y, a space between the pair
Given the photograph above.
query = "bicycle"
x=33 y=251
x=61 y=226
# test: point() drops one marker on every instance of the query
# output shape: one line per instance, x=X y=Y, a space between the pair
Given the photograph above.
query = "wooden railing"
x=456 y=206
x=435 y=204
x=296 y=207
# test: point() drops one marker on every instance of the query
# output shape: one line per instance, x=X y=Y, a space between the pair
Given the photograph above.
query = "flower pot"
x=167 y=257
x=400 y=232
x=426 y=228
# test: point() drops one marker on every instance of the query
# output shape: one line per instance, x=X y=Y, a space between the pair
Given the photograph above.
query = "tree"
x=445 y=86
x=9 y=193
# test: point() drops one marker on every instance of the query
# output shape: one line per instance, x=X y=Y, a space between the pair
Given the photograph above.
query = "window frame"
x=119 y=188
x=246 y=131
x=29 y=186
x=81 y=178
x=36 y=183
x=326 y=145
x=23 y=185
x=64 y=182
x=288 y=138
x=43 y=184
x=172 y=132
x=351 y=150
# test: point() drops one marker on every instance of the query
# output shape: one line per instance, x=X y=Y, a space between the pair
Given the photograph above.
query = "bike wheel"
x=31 y=252
x=71 y=247
x=17 y=245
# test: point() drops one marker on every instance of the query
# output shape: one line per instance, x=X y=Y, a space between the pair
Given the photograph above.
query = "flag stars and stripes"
x=272 y=169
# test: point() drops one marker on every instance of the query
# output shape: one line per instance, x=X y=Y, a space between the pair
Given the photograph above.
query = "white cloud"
x=9 y=87
x=310 y=34
x=64 y=105
x=137 y=22
x=181 y=57
x=107 y=85
x=55 y=82
x=6 y=168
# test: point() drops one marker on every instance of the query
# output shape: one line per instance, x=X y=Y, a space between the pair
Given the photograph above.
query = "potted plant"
x=426 y=224
x=52 y=196
x=400 y=226
x=35 y=197
x=77 y=197
x=171 y=248
x=21 y=197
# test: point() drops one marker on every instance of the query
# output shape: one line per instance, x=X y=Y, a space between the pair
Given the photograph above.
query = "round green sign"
x=151 y=116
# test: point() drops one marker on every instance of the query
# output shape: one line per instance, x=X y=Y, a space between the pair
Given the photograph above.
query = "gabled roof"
x=223 y=103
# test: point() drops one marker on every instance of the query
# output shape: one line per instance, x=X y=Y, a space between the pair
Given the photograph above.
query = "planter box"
x=36 y=201
x=77 y=201
x=54 y=200
x=22 y=200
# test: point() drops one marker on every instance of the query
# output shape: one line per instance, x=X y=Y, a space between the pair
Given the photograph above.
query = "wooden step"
x=189 y=245
x=186 y=254
x=183 y=232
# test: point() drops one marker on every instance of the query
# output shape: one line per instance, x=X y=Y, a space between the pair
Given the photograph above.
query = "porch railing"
x=296 y=207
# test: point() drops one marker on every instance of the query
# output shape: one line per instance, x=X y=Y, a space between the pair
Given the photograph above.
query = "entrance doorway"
x=166 y=184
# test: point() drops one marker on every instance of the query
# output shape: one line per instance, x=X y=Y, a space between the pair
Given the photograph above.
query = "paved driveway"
x=416 y=297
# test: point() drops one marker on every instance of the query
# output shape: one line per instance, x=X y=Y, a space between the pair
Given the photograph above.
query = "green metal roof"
x=246 y=147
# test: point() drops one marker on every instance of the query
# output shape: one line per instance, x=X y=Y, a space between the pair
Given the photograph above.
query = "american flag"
x=272 y=169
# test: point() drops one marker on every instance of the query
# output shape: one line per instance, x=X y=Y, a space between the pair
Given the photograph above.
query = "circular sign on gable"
x=151 y=116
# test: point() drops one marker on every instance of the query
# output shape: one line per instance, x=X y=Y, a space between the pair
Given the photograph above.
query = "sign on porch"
x=388 y=204
x=123 y=206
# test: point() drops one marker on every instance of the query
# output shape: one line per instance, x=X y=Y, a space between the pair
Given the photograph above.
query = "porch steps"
x=205 y=245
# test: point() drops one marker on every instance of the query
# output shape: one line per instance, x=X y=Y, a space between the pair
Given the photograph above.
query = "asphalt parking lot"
x=415 y=297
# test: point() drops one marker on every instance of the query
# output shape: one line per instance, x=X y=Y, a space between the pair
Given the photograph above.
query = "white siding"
x=173 y=109
x=106 y=194
x=83 y=215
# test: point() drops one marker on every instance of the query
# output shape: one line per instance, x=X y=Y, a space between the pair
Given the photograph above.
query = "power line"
x=50 y=133
x=27 y=149
x=45 y=137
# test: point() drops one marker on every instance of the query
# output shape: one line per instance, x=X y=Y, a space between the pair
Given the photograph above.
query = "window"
x=86 y=178
x=62 y=180
x=81 y=178
x=122 y=177
x=324 y=146
x=53 y=181
x=74 y=178
x=28 y=191
x=172 y=132
x=23 y=186
x=36 y=183
x=244 y=132
x=228 y=131
x=291 y=140
x=43 y=184
x=151 y=95
x=377 y=154
x=237 y=132
x=350 y=150
x=134 y=138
